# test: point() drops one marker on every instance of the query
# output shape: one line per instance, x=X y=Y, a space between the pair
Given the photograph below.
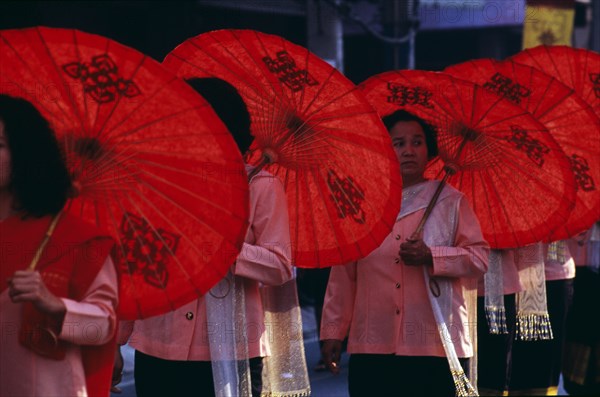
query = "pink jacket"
x=91 y=321
x=383 y=306
x=265 y=258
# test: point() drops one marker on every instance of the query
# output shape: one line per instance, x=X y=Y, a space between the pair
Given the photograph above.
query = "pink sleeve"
x=339 y=302
x=469 y=256
x=268 y=259
x=92 y=321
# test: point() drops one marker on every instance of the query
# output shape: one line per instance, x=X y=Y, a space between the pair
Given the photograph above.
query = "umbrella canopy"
x=151 y=162
x=575 y=67
x=515 y=175
x=569 y=119
x=315 y=131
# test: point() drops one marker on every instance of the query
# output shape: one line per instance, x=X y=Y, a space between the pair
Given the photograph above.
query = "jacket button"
x=189 y=315
x=397 y=311
x=397 y=285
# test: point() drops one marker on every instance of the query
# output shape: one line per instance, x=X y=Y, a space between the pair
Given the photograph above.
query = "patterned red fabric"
x=515 y=175
x=577 y=68
x=330 y=149
x=152 y=163
x=569 y=119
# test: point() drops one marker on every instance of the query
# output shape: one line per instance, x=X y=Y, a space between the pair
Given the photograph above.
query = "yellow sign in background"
x=548 y=24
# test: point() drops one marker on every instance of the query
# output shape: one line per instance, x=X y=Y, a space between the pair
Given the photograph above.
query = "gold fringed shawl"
x=284 y=372
x=495 y=312
x=533 y=321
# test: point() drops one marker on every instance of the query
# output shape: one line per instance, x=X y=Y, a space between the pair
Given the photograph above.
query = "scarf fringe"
x=496 y=319
x=463 y=386
x=533 y=326
x=295 y=393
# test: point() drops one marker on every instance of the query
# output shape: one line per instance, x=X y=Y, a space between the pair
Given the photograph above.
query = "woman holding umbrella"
x=175 y=352
x=61 y=308
x=381 y=302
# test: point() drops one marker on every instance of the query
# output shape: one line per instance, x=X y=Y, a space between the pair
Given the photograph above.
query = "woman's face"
x=5 y=162
x=410 y=146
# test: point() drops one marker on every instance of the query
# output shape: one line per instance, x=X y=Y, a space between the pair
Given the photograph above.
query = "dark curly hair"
x=229 y=106
x=39 y=181
x=430 y=132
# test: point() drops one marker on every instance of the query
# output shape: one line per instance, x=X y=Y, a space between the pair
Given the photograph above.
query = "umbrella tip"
x=75 y=189
x=270 y=156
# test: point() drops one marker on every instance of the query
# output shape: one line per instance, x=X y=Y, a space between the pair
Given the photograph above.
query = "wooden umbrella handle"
x=40 y=250
x=450 y=169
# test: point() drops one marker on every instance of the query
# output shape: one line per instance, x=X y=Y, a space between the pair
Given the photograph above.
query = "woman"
x=59 y=319
x=381 y=302
x=174 y=351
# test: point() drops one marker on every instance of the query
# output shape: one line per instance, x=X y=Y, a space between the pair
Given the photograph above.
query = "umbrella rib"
x=337 y=241
x=507 y=119
x=518 y=170
x=115 y=226
x=119 y=98
x=314 y=227
x=59 y=75
x=297 y=227
x=192 y=245
x=581 y=109
x=176 y=259
x=84 y=96
x=491 y=215
x=172 y=137
x=139 y=107
x=300 y=103
x=332 y=72
x=535 y=111
x=496 y=194
x=149 y=260
x=155 y=121
x=519 y=167
x=499 y=99
x=591 y=91
x=284 y=101
x=176 y=204
x=208 y=72
x=188 y=192
x=236 y=59
x=310 y=115
x=261 y=68
x=205 y=51
x=116 y=102
x=186 y=172
x=157 y=234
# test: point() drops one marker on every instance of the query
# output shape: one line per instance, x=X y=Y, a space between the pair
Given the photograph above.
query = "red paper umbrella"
x=515 y=175
x=563 y=113
x=576 y=68
x=316 y=132
x=153 y=163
